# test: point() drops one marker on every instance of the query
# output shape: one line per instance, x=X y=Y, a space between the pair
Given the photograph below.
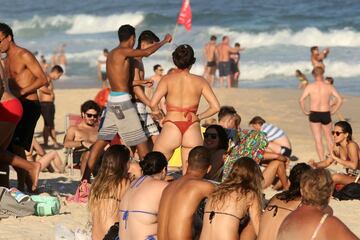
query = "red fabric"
x=185 y=15
x=102 y=97
x=11 y=111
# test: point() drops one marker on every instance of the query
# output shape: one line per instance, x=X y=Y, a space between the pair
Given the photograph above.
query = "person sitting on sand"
x=303 y=81
x=181 y=198
x=83 y=136
x=235 y=198
x=282 y=204
x=346 y=152
x=138 y=219
x=215 y=140
x=50 y=160
x=311 y=220
x=183 y=91
x=11 y=112
x=108 y=189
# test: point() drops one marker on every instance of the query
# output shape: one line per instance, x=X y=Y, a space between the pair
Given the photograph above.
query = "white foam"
x=81 y=23
x=307 y=37
x=96 y=24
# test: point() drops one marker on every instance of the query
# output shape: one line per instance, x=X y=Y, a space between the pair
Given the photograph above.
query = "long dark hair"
x=346 y=128
x=295 y=176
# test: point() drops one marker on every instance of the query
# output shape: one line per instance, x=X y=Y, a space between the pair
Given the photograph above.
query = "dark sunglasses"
x=161 y=70
x=89 y=115
x=210 y=135
x=336 y=133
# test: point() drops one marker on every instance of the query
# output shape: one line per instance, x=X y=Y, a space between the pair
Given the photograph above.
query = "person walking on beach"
x=155 y=79
x=101 y=67
x=317 y=58
x=47 y=98
x=10 y=114
x=25 y=78
x=320 y=94
x=181 y=198
x=183 y=91
x=146 y=39
x=209 y=52
x=223 y=51
x=120 y=116
x=235 y=65
x=62 y=61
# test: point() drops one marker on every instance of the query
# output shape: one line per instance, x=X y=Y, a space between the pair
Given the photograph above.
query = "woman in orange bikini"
x=182 y=91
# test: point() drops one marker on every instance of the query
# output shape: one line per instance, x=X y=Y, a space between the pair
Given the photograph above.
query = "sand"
x=277 y=106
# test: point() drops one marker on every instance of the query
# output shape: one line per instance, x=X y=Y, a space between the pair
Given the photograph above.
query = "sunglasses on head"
x=89 y=115
x=210 y=135
x=336 y=133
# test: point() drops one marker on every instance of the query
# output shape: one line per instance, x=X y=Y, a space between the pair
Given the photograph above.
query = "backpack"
x=9 y=206
x=348 y=192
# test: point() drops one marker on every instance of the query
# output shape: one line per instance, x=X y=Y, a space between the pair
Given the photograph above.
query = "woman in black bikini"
x=239 y=195
x=282 y=204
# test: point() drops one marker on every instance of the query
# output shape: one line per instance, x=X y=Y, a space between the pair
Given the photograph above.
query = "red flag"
x=185 y=15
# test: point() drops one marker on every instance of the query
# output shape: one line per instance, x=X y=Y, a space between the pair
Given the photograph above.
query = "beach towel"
x=246 y=143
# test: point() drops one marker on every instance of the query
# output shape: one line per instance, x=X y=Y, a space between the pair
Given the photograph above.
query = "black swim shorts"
x=48 y=113
x=211 y=64
x=285 y=151
x=224 y=69
x=24 y=131
x=320 y=117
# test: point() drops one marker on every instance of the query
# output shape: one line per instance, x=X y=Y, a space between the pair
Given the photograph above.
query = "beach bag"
x=348 y=192
x=46 y=205
x=17 y=205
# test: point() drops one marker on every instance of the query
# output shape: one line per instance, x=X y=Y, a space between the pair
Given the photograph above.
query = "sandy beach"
x=277 y=106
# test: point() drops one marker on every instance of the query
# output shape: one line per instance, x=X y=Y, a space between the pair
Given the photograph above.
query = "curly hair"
x=245 y=177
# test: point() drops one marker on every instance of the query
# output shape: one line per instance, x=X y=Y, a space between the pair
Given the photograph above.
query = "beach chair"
x=71 y=120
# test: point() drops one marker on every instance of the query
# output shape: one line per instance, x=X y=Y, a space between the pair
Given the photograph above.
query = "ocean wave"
x=307 y=37
x=80 y=23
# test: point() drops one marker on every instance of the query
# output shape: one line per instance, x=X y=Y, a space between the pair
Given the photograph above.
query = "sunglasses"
x=336 y=133
x=89 y=115
x=210 y=135
x=161 y=70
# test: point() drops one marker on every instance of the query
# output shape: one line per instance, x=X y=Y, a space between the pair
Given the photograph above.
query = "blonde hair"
x=316 y=187
x=110 y=181
x=245 y=177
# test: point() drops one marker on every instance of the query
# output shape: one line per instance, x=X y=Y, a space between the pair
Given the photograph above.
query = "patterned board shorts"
x=148 y=124
x=120 y=117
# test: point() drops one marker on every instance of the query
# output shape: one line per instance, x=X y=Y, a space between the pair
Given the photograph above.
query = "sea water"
x=276 y=34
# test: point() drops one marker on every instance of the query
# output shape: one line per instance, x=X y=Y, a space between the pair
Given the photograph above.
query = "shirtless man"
x=320 y=94
x=25 y=77
x=146 y=39
x=120 y=115
x=83 y=136
x=181 y=198
x=223 y=51
x=101 y=67
x=155 y=79
x=62 y=57
x=317 y=57
x=139 y=217
x=47 y=98
x=309 y=220
x=210 y=68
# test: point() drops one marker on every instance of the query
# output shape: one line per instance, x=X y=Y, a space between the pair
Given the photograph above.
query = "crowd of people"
x=218 y=192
